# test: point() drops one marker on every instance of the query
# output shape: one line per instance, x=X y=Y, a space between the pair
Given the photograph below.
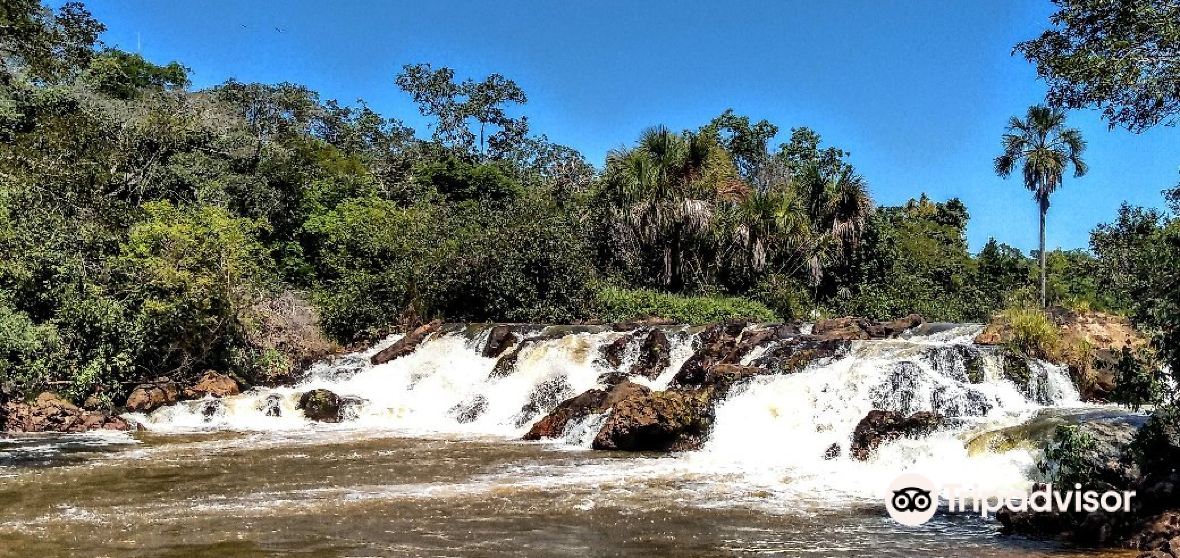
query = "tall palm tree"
x=1043 y=146
x=838 y=206
x=659 y=197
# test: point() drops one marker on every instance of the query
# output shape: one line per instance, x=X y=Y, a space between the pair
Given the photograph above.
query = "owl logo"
x=912 y=499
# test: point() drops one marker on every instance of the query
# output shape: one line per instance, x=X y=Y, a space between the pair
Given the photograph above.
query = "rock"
x=468 y=411
x=272 y=406
x=833 y=451
x=1156 y=532
x=507 y=363
x=49 y=412
x=1155 y=554
x=672 y=420
x=148 y=397
x=880 y=426
x=716 y=346
x=320 y=405
x=654 y=355
x=407 y=344
x=613 y=352
x=796 y=354
x=852 y=328
x=547 y=395
x=587 y=403
x=213 y=383
x=500 y=339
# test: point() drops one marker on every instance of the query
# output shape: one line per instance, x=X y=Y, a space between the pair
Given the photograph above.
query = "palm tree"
x=659 y=198
x=838 y=206
x=1044 y=147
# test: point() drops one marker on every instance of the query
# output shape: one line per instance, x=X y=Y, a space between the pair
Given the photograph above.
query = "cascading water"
x=774 y=432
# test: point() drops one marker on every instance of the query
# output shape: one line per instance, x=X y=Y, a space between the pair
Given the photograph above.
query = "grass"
x=616 y=305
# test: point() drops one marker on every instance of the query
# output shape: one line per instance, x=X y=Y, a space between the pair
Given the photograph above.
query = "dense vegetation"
x=147 y=229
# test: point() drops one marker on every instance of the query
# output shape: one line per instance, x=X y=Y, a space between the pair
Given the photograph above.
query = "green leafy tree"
x=1122 y=57
x=1043 y=147
x=455 y=105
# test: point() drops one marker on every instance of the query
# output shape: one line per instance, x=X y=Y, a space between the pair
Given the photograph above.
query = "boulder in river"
x=672 y=420
x=49 y=412
x=580 y=406
x=407 y=344
x=654 y=355
x=716 y=346
x=213 y=383
x=880 y=426
x=150 y=396
x=321 y=405
x=500 y=339
x=852 y=328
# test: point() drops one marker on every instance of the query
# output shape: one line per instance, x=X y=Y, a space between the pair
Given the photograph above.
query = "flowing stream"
x=428 y=461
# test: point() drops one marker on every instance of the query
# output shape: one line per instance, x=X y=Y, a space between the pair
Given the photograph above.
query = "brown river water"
x=341 y=492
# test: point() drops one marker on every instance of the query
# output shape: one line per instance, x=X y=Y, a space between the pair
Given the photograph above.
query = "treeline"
x=147 y=229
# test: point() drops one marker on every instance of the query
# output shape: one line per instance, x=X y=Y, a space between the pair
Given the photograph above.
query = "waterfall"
x=772 y=429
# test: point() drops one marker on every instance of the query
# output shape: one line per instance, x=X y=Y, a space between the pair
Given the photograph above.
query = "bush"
x=1033 y=331
x=1137 y=381
x=1156 y=446
x=29 y=353
x=616 y=304
x=1067 y=457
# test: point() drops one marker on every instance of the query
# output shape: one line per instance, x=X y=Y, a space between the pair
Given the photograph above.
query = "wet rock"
x=214 y=384
x=272 y=406
x=794 y=355
x=576 y=408
x=963 y=363
x=716 y=343
x=545 y=396
x=49 y=412
x=880 y=426
x=833 y=451
x=148 y=397
x=672 y=420
x=1157 y=532
x=852 y=328
x=507 y=363
x=654 y=355
x=211 y=409
x=500 y=339
x=407 y=344
x=612 y=353
x=469 y=411
x=320 y=405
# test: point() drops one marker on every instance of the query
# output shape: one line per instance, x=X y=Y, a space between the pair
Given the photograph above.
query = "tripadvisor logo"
x=912 y=499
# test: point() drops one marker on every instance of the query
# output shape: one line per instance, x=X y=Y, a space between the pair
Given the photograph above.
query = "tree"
x=454 y=104
x=1121 y=56
x=1044 y=147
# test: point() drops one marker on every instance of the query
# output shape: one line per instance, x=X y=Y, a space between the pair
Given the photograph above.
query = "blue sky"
x=917 y=91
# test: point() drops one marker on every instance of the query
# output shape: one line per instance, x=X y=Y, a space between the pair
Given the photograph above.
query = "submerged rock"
x=320 y=405
x=49 y=412
x=148 y=397
x=470 y=410
x=214 y=384
x=672 y=420
x=880 y=426
x=272 y=406
x=407 y=344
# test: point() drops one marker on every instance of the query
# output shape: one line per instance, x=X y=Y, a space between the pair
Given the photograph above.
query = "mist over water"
x=429 y=460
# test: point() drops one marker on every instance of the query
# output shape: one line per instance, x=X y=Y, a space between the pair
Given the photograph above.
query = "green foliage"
x=617 y=304
x=189 y=273
x=1137 y=380
x=1156 y=447
x=458 y=181
x=29 y=353
x=1067 y=458
x=126 y=75
x=1033 y=331
x=1122 y=57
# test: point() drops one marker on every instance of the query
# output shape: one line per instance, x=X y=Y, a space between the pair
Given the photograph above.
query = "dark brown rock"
x=672 y=420
x=654 y=355
x=150 y=396
x=213 y=383
x=321 y=405
x=407 y=344
x=879 y=427
x=612 y=353
x=850 y=328
x=49 y=412
x=589 y=402
x=1156 y=532
x=716 y=346
x=500 y=339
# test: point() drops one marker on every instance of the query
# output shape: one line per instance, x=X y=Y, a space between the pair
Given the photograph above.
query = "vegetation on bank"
x=147 y=229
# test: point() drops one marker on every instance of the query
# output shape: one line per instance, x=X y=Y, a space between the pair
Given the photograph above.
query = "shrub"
x=1137 y=381
x=1156 y=447
x=29 y=353
x=1067 y=457
x=617 y=304
x=1033 y=331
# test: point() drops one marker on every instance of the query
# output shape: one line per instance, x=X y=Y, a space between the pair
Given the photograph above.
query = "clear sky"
x=918 y=91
